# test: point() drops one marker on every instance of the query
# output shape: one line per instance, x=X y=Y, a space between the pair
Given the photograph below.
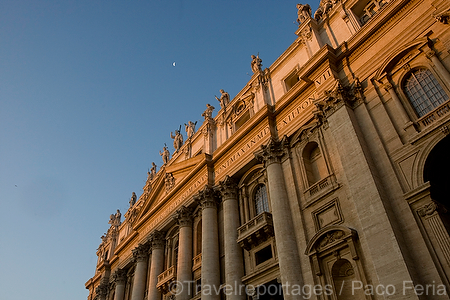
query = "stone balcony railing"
x=165 y=278
x=255 y=231
x=321 y=188
x=196 y=262
x=434 y=115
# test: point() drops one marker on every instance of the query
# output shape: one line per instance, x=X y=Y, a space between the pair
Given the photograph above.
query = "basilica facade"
x=325 y=177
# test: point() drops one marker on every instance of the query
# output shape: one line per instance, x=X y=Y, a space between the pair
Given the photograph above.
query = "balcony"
x=165 y=279
x=434 y=116
x=196 y=262
x=321 y=188
x=255 y=231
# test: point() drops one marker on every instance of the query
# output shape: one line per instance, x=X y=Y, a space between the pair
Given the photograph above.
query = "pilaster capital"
x=206 y=198
x=387 y=86
x=119 y=276
x=431 y=54
x=157 y=239
x=430 y=208
x=140 y=253
x=273 y=151
x=228 y=189
x=184 y=216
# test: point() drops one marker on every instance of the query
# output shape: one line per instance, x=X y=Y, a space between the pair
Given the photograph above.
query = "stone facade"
x=325 y=177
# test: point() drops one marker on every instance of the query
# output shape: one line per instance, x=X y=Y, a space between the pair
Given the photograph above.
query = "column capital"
x=119 y=276
x=183 y=216
x=140 y=253
x=157 y=239
x=206 y=198
x=101 y=290
x=228 y=188
x=273 y=151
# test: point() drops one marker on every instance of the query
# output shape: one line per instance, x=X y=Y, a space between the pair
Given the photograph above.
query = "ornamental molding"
x=119 y=276
x=157 y=239
x=140 y=253
x=228 y=188
x=430 y=208
x=443 y=16
x=273 y=151
x=184 y=216
x=337 y=97
x=206 y=197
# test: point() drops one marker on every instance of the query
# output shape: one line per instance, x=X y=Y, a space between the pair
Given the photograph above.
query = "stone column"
x=288 y=259
x=184 y=265
x=119 y=277
x=210 y=245
x=157 y=264
x=401 y=110
x=140 y=254
x=234 y=262
x=439 y=66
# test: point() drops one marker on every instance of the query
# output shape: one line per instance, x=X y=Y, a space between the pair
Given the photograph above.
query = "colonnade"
x=207 y=198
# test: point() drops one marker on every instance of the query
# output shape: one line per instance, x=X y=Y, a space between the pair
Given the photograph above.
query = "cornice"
x=262 y=114
x=372 y=31
x=182 y=184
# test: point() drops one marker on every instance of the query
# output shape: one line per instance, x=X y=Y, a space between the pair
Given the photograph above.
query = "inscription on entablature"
x=249 y=147
x=294 y=113
x=323 y=77
x=175 y=204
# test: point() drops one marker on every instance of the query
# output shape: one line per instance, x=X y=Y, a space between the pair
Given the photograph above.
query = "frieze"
x=170 y=209
x=247 y=148
x=294 y=113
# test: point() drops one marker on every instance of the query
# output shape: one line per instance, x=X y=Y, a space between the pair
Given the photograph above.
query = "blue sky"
x=88 y=97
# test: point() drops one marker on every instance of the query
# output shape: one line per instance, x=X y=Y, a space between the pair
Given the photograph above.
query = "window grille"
x=424 y=91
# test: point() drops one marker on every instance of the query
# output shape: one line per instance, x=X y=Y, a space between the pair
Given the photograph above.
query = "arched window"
x=424 y=91
x=261 y=201
x=314 y=162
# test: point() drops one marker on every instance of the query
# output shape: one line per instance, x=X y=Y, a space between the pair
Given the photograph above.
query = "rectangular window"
x=263 y=255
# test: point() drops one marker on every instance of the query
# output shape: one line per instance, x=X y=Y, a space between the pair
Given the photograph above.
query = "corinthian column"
x=234 y=263
x=157 y=264
x=210 y=245
x=184 y=265
x=140 y=254
x=119 y=279
x=283 y=226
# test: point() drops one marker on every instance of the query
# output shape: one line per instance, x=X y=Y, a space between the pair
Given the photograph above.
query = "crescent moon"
x=173 y=64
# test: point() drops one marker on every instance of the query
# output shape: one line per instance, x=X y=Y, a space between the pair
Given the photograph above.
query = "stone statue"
x=304 y=13
x=153 y=170
x=190 y=128
x=177 y=139
x=165 y=154
x=133 y=199
x=256 y=63
x=224 y=99
x=114 y=220
x=208 y=112
x=117 y=217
